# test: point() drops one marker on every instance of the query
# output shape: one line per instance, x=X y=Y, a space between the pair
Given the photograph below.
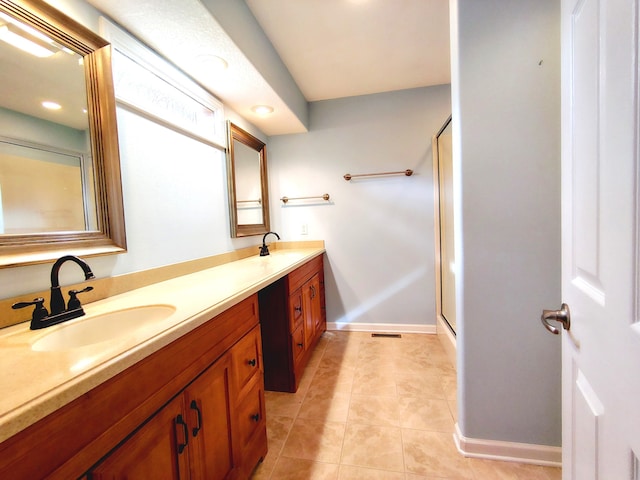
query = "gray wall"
x=379 y=232
x=505 y=95
x=19 y=126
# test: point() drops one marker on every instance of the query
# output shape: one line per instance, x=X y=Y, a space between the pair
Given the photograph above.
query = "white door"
x=600 y=221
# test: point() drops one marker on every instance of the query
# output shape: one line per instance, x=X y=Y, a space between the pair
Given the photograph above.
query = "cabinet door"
x=157 y=450
x=208 y=403
x=321 y=320
x=311 y=307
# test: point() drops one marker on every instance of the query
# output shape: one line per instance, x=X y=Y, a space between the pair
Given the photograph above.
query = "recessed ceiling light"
x=12 y=35
x=262 y=109
x=51 y=105
x=213 y=63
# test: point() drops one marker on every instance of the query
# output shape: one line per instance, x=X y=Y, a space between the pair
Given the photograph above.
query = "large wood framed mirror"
x=248 y=185
x=60 y=186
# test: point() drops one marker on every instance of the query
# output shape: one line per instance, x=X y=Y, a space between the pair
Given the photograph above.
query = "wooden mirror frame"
x=238 y=134
x=24 y=249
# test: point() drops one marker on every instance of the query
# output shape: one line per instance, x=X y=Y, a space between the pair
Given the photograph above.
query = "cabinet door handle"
x=252 y=362
x=255 y=417
x=313 y=291
x=298 y=308
x=301 y=345
x=194 y=406
x=185 y=431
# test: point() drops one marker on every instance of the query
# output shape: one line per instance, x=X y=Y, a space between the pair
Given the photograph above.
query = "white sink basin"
x=87 y=331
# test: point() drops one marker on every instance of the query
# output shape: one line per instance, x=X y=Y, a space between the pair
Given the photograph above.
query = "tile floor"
x=375 y=409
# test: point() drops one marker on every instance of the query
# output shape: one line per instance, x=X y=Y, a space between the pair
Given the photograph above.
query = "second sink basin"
x=99 y=328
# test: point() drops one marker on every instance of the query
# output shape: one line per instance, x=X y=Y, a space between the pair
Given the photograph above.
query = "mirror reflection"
x=47 y=79
x=248 y=195
x=42 y=186
x=59 y=161
x=42 y=189
x=248 y=192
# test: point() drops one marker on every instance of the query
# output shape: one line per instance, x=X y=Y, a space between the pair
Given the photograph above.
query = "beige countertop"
x=36 y=383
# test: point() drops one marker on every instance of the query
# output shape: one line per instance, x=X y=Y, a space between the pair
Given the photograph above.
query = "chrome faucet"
x=57 y=302
x=60 y=312
x=264 y=250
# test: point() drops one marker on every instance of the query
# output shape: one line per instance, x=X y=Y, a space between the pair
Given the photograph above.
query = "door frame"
x=444 y=331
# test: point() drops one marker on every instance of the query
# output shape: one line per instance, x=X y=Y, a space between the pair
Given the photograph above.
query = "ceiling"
x=64 y=83
x=343 y=48
x=332 y=48
x=57 y=77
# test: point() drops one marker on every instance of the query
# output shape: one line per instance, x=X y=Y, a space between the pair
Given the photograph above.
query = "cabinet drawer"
x=251 y=419
x=297 y=343
x=247 y=359
x=300 y=275
x=295 y=310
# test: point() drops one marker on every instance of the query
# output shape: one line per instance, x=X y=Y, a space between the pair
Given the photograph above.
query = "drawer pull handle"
x=194 y=406
x=255 y=417
x=180 y=421
x=252 y=362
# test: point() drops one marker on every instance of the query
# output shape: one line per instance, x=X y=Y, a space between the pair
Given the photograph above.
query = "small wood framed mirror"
x=248 y=185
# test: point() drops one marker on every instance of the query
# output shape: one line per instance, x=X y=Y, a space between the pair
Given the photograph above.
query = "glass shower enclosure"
x=444 y=212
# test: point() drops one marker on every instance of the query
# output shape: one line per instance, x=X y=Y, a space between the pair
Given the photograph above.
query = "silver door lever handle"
x=563 y=316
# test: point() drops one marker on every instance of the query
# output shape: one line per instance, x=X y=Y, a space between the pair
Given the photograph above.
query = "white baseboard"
x=508 y=451
x=381 y=327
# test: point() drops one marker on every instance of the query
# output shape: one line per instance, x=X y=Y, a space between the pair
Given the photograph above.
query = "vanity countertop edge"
x=37 y=383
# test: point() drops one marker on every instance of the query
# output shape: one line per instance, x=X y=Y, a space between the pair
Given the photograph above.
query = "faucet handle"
x=39 y=312
x=74 y=303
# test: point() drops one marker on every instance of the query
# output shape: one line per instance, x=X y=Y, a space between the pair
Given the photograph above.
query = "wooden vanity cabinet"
x=191 y=437
x=293 y=317
x=214 y=430
x=128 y=426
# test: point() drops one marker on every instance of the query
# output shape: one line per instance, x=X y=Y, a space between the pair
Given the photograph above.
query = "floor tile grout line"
x=444 y=378
x=306 y=396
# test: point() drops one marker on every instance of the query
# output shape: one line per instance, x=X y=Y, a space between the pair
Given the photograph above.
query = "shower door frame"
x=445 y=331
